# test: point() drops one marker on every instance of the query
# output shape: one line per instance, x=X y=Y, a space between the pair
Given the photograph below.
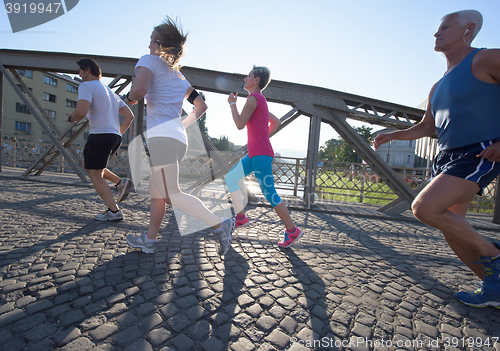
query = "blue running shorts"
x=463 y=163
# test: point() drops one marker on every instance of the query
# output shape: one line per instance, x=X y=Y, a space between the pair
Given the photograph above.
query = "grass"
x=332 y=187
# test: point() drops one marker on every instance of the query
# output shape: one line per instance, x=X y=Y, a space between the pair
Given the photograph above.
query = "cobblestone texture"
x=68 y=282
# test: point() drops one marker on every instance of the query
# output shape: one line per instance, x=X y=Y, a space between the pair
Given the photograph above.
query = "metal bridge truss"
x=319 y=104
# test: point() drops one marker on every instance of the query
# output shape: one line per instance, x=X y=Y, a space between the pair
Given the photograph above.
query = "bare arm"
x=426 y=127
x=242 y=119
x=81 y=110
x=127 y=120
x=199 y=108
x=486 y=66
x=274 y=123
x=489 y=65
x=141 y=84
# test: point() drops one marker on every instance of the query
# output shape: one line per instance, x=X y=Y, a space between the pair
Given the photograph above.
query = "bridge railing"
x=340 y=182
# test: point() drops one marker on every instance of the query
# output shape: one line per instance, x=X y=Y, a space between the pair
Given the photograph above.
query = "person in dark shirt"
x=464 y=108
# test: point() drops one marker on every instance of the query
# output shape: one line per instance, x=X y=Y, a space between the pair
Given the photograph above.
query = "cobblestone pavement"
x=68 y=282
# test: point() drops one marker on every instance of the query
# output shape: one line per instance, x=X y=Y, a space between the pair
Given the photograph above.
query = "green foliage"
x=222 y=143
x=339 y=150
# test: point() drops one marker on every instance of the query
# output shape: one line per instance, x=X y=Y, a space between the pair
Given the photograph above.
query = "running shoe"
x=123 y=189
x=110 y=216
x=478 y=298
x=223 y=235
x=139 y=241
x=290 y=238
x=242 y=222
x=489 y=293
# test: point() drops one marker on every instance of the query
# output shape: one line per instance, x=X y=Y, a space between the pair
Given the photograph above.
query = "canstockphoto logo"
x=28 y=14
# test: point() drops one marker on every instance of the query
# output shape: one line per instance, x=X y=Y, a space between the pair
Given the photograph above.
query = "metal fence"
x=335 y=181
x=356 y=182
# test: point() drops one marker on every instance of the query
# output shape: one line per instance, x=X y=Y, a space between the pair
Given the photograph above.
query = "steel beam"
x=64 y=62
x=337 y=120
x=365 y=109
x=312 y=160
x=44 y=114
x=42 y=123
x=401 y=205
x=1 y=118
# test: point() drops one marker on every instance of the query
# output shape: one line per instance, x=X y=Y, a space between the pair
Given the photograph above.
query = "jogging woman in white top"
x=159 y=80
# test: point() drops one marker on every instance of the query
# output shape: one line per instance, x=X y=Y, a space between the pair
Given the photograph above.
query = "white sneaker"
x=223 y=234
x=123 y=189
x=140 y=242
x=110 y=216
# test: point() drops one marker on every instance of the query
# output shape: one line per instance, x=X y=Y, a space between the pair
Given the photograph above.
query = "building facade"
x=397 y=153
x=426 y=148
x=56 y=93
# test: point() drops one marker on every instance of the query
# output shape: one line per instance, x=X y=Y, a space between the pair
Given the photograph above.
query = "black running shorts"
x=98 y=149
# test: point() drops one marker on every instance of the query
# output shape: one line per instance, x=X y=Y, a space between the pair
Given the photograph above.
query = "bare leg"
x=442 y=205
x=169 y=176
x=282 y=211
x=108 y=175
x=462 y=251
x=158 y=209
x=237 y=200
x=102 y=188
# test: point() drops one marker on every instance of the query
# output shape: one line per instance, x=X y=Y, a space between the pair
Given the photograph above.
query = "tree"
x=340 y=150
x=222 y=144
x=329 y=150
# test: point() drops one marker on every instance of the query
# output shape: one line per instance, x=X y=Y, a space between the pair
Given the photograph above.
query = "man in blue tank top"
x=464 y=109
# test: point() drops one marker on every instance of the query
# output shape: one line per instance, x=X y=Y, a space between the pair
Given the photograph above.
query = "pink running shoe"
x=242 y=222
x=290 y=238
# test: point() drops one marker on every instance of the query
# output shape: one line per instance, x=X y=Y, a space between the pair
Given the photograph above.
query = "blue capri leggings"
x=263 y=170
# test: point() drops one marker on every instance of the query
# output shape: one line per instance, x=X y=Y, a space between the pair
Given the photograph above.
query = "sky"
x=379 y=49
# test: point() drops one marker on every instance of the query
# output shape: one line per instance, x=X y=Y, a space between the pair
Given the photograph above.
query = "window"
x=49 y=97
x=52 y=114
x=23 y=126
x=410 y=143
x=50 y=81
x=388 y=156
x=409 y=158
x=70 y=103
x=399 y=159
x=401 y=143
x=22 y=108
x=72 y=88
x=22 y=89
x=25 y=73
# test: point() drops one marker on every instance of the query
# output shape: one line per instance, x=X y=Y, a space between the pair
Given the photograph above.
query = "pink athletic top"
x=258 y=129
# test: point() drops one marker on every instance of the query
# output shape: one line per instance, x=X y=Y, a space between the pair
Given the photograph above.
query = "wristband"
x=232 y=103
x=126 y=97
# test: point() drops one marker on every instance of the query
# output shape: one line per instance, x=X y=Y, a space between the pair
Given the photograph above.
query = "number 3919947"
x=32 y=7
